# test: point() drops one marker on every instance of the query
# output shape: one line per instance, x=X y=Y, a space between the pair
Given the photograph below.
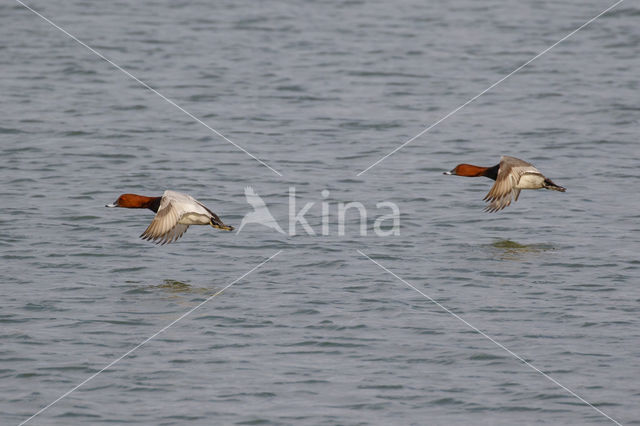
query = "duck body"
x=511 y=176
x=531 y=181
x=175 y=212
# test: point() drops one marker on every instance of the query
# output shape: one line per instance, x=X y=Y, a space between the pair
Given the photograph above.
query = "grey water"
x=319 y=334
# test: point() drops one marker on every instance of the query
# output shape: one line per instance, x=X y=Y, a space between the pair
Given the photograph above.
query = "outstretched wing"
x=504 y=191
x=164 y=228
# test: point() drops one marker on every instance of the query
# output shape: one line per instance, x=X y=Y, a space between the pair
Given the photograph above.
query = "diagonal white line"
x=500 y=345
x=148 y=339
x=491 y=87
x=142 y=83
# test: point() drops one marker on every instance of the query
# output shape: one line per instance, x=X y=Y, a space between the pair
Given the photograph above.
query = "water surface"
x=319 y=335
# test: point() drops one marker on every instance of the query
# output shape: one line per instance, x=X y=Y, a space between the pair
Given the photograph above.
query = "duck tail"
x=217 y=223
x=548 y=183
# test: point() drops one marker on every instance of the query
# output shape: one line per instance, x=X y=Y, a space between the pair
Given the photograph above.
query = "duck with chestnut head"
x=511 y=176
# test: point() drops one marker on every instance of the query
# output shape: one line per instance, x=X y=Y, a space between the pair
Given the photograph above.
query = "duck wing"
x=164 y=228
x=504 y=191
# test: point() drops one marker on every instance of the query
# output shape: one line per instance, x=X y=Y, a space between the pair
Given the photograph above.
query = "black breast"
x=492 y=172
x=154 y=205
